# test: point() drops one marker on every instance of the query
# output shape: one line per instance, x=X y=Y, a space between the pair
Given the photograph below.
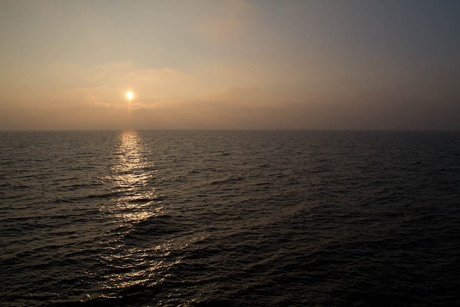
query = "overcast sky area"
x=230 y=64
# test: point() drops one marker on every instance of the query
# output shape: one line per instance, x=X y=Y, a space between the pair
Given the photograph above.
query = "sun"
x=129 y=95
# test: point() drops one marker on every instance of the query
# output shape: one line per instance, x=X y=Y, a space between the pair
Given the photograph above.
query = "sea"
x=230 y=218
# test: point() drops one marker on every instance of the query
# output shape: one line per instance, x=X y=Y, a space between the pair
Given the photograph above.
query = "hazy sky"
x=230 y=64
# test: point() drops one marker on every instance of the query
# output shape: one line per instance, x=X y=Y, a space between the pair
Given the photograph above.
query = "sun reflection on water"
x=132 y=183
x=131 y=167
x=144 y=241
x=128 y=262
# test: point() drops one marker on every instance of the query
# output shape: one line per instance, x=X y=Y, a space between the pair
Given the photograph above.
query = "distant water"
x=230 y=218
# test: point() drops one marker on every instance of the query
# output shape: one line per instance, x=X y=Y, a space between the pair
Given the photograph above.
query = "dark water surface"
x=230 y=218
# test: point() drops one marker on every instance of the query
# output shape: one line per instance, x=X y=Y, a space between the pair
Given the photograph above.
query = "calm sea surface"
x=230 y=218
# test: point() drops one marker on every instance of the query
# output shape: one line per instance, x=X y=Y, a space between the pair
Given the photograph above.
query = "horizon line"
x=237 y=129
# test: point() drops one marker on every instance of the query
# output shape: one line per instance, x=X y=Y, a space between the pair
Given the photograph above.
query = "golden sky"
x=230 y=64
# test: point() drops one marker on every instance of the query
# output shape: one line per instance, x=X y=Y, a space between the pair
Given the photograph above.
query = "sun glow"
x=129 y=95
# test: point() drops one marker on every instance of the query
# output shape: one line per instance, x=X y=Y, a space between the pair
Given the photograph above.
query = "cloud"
x=67 y=96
